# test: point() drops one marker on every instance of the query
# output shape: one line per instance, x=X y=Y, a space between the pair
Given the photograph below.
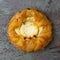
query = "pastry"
x=30 y=30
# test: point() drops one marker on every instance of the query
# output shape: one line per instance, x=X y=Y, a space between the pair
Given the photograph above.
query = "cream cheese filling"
x=29 y=29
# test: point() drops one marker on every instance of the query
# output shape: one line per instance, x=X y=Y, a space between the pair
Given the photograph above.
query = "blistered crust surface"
x=37 y=42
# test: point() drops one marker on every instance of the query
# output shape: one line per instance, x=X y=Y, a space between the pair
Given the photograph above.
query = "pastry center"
x=27 y=30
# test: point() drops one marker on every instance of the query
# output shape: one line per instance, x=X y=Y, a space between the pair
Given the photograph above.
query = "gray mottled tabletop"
x=8 y=8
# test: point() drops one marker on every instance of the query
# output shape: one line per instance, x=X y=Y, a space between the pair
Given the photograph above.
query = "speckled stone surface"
x=8 y=8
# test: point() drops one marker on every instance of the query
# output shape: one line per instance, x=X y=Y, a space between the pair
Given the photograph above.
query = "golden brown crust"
x=30 y=44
